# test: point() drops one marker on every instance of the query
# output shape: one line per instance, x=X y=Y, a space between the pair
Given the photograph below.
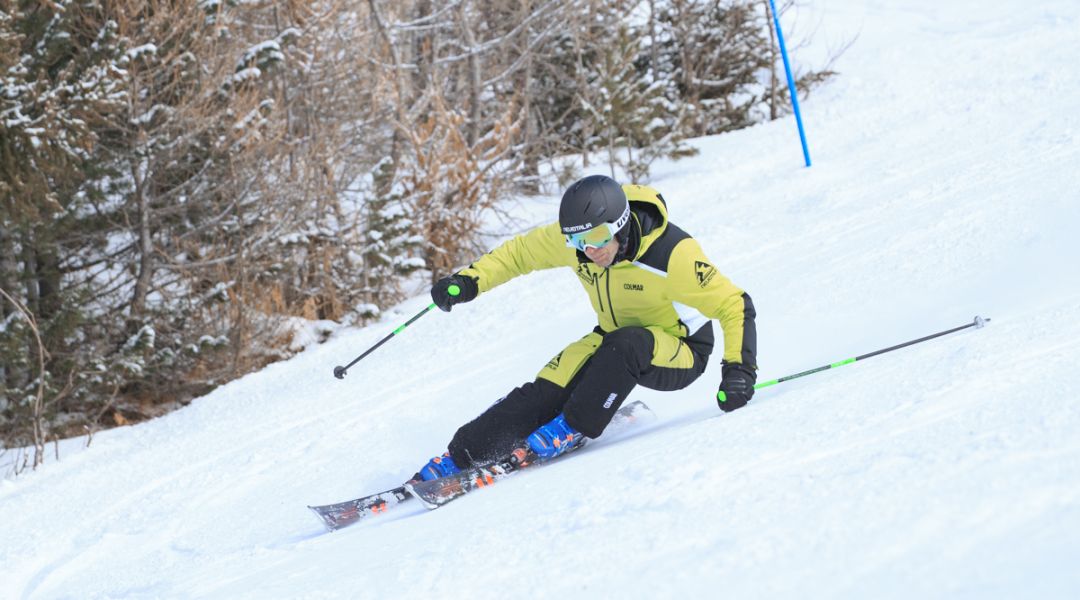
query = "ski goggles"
x=598 y=236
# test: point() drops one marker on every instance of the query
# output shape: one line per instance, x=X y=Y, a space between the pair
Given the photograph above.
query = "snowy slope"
x=945 y=185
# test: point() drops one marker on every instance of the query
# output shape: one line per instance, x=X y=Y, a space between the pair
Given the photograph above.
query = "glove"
x=452 y=290
x=736 y=388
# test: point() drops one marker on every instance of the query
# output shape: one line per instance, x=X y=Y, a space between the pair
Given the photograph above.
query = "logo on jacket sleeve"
x=705 y=272
x=554 y=363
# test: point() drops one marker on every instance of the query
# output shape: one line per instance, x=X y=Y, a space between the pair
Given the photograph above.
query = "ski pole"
x=792 y=90
x=339 y=371
x=978 y=323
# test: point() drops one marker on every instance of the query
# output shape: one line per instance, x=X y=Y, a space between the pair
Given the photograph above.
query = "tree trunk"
x=48 y=274
x=523 y=82
x=401 y=89
x=472 y=130
x=30 y=277
x=145 y=245
x=11 y=376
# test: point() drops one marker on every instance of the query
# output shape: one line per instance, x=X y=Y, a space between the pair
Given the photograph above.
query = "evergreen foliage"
x=182 y=183
x=716 y=54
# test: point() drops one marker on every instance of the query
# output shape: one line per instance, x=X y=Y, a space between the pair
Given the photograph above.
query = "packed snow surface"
x=945 y=185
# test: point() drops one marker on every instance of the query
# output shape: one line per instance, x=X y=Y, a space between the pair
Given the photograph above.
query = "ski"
x=343 y=514
x=433 y=494
x=438 y=492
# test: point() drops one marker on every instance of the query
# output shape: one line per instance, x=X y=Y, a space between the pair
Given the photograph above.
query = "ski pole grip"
x=721 y=397
x=453 y=290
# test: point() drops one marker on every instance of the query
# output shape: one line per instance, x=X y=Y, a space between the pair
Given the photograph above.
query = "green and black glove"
x=736 y=388
x=452 y=290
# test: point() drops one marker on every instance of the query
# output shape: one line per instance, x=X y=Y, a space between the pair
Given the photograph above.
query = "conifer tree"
x=183 y=183
x=58 y=84
x=636 y=126
x=390 y=250
x=718 y=53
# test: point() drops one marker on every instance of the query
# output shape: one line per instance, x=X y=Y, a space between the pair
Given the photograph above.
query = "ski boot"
x=440 y=466
x=554 y=438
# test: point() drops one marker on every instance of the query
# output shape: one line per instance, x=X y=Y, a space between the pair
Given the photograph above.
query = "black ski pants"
x=588 y=381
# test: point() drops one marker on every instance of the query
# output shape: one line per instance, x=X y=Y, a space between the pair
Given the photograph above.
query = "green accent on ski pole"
x=454 y=290
x=722 y=397
x=977 y=323
x=340 y=372
x=412 y=320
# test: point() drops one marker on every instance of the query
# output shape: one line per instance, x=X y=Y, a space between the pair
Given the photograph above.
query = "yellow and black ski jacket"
x=666 y=281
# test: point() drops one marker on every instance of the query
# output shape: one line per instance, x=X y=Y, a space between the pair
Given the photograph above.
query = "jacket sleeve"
x=697 y=283
x=541 y=248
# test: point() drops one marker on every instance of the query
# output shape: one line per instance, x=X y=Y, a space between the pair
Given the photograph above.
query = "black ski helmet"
x=591 y=201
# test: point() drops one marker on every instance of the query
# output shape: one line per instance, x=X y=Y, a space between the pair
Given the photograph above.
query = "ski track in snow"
x=944 y=185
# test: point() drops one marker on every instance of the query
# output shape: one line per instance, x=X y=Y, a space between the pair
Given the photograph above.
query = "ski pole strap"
x=977 y=323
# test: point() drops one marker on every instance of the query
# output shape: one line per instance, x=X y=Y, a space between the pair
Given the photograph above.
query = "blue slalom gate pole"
x=790 y=82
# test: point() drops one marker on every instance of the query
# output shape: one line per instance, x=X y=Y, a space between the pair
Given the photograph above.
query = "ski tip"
x=325 y=523
x=410 y=487
x=639 y=410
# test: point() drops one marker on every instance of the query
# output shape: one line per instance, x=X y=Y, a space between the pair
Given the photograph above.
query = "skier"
x=654 y=293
